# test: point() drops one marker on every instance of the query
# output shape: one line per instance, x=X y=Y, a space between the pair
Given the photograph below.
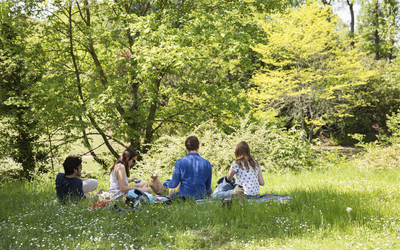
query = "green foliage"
x=19 y=72
x=310 y=75
x=382 y=94
x=378 y=28
x=274 y=148
x=134 y=70
x=377 y=156
x=332 y=158
x=393 y=123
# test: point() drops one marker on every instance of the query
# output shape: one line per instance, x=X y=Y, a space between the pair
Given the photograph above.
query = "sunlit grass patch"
x=337 y=208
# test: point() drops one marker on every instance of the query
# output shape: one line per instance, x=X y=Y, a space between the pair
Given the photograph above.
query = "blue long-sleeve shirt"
x=194 y=173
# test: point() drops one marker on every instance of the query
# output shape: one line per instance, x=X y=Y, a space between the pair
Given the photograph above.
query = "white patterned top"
x=248 y=179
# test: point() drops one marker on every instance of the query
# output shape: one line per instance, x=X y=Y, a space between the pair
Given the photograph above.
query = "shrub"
x=274 y=148
x=379 y=157
x=393 y=123
x=332 y=159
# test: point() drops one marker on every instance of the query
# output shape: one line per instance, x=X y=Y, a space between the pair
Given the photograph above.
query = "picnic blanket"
x=283 y=199
x=274 y=197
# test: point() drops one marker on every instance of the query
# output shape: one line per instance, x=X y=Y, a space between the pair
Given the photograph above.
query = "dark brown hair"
x=242 y=153
x=192 y=143
x=127 y=155
x=71 y=162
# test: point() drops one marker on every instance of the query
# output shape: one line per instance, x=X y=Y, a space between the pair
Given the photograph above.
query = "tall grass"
x=336 y=208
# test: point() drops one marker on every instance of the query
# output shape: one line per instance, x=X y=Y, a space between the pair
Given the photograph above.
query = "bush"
x=274 y=148
x=379 y=157
x=393 y=123
x=332 y=159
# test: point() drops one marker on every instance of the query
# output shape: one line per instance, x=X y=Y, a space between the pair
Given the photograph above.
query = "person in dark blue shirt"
x=192 y=172
x=71 y=188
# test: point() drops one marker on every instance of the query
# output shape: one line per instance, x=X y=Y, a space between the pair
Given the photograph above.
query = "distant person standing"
x=193 y=172
x=71 y=188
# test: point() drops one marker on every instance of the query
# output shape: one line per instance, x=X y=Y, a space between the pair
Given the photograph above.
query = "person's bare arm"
x=96 y=195
x=260 y=178
x=120 y=175
x=230 y=175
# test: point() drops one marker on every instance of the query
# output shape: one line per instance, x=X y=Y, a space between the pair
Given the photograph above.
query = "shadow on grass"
x=190 y=225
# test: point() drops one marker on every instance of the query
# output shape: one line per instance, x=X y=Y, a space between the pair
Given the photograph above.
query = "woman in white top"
x=247 y=170
x=119 y=174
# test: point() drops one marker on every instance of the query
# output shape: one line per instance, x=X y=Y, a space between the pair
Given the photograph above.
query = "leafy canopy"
x=309 y=72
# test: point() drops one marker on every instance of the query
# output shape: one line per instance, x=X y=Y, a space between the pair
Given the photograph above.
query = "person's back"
x=196 y=174
x=69 y=188
x=113 y=186
x=247 y=170
x=192 y=172
x=247 y=178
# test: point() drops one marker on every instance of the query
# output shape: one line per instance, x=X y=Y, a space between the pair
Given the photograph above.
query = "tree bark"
x=376 y=32
x=310 y=136
x=352 y=21
x=78 y=79
x=90 y=148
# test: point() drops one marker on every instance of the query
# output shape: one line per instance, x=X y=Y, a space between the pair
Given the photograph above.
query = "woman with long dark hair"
x=119 y=174
x=247 y=170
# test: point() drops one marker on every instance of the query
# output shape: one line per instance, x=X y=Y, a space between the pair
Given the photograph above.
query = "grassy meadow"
x=337 y=206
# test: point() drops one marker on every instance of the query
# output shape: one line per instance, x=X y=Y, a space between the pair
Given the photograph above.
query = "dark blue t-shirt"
x=194 y=173
x=71 y=187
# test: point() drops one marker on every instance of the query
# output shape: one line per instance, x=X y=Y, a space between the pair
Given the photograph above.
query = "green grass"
x=317 y=218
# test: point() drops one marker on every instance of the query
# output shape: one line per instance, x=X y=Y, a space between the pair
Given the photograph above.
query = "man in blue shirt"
x=193 y=172
x=71 y=188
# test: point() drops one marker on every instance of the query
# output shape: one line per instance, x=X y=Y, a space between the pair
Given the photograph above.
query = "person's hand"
x=229 y=181
x=133 y=180
x=84 y=179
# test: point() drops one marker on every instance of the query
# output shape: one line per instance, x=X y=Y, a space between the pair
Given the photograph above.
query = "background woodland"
x=283 y=75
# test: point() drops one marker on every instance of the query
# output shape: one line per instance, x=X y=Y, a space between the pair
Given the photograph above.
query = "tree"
x=310 y=72
x=351 y=3
x=18 y=75
x=128 y=69
x=379 y=27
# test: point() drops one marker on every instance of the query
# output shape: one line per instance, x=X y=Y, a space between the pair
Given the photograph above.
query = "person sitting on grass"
x=119 y=174
x=247 y=170
x=71 y=188
x=192 y=172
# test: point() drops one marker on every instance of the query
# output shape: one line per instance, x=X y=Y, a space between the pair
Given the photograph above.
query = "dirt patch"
x=338 y=147
x=348 y=151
